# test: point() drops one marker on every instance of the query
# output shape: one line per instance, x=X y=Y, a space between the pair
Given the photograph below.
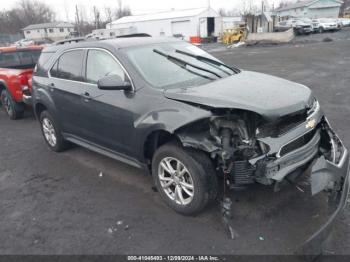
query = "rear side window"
x=69 y=66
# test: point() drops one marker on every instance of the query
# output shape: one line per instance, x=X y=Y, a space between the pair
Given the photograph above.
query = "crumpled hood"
x=269 y=96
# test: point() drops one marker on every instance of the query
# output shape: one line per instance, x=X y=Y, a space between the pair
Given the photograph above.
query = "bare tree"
x=34 y=12
x=108 y=14
x=248 y=7
x=284 y=3
x=82 y=25
x=24 y=13
x=121 y=10
x=231 y=12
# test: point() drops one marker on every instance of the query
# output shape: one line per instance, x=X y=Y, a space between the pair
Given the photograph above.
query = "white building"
x=199 y=22
x=54 y=31
x=311 y=9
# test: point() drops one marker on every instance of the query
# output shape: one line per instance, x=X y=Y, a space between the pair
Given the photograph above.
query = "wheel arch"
x=154 y=140
x=3 y=85
x=181 y=136
x=39 y=108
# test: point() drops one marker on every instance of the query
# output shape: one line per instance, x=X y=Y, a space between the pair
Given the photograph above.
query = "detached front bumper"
x=336 y=177
x=329 y=166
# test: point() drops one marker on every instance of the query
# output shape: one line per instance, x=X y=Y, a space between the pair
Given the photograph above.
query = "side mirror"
x=113 y=82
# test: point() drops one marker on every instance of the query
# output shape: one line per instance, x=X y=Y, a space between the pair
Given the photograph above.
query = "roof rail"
x=70 y=41
x=134 y=35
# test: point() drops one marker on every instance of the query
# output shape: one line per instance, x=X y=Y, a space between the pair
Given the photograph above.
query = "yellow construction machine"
x=234 y=35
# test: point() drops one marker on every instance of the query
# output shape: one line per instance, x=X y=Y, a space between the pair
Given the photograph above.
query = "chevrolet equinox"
x=169 y=107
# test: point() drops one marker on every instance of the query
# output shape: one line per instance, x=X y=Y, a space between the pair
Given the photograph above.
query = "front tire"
x=52 y=133
x=13 y=109
x=185 y=178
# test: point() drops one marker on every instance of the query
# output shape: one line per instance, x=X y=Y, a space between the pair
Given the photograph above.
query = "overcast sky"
x=65 y=8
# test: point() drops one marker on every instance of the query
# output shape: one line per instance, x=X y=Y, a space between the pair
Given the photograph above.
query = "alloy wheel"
x=176 y=181
x=49 y=132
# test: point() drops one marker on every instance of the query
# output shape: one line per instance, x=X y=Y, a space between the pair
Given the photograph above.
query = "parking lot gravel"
x=79 y=202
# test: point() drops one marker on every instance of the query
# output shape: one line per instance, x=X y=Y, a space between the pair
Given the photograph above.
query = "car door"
x=66 y=87
x=106 y=114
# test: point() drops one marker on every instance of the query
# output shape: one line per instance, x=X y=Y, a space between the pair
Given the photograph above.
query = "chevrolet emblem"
x=311 y=124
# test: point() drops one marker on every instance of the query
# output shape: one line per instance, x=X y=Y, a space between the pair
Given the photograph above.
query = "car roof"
x=117 y=43
x=7 y=49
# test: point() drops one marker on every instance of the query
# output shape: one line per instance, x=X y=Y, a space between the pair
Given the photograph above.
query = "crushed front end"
x=308 y=143
x=248 y=149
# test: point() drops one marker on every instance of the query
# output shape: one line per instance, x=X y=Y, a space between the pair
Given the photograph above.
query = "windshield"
x=176 y=64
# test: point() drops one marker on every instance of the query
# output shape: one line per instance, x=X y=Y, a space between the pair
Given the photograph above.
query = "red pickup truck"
x=16 y=69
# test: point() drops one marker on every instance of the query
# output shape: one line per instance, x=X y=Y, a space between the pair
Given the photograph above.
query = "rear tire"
x=13 y=109
x=191 y=183
x=52 y=133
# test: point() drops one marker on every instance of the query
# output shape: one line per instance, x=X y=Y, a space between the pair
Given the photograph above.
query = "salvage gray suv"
x=169 y=107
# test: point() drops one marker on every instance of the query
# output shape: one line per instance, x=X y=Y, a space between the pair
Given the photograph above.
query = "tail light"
x=30 y=83
x=25 y=83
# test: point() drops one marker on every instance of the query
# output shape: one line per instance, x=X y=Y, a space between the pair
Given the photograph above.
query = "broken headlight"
x=314 y=106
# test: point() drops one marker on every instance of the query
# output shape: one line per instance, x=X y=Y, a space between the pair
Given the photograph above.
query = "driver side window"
x=100 y=64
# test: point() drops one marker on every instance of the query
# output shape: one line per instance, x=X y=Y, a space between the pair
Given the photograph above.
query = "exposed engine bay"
x=248 y=149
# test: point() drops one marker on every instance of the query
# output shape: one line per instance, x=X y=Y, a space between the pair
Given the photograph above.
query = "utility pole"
x=77 y=20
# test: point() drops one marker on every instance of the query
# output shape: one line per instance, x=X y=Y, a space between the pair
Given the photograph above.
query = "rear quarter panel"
x=10 y=78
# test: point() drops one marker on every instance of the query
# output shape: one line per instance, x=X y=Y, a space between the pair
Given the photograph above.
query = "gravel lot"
x=79 y=202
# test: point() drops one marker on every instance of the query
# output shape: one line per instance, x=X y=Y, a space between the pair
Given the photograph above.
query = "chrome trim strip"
x=91 y=48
